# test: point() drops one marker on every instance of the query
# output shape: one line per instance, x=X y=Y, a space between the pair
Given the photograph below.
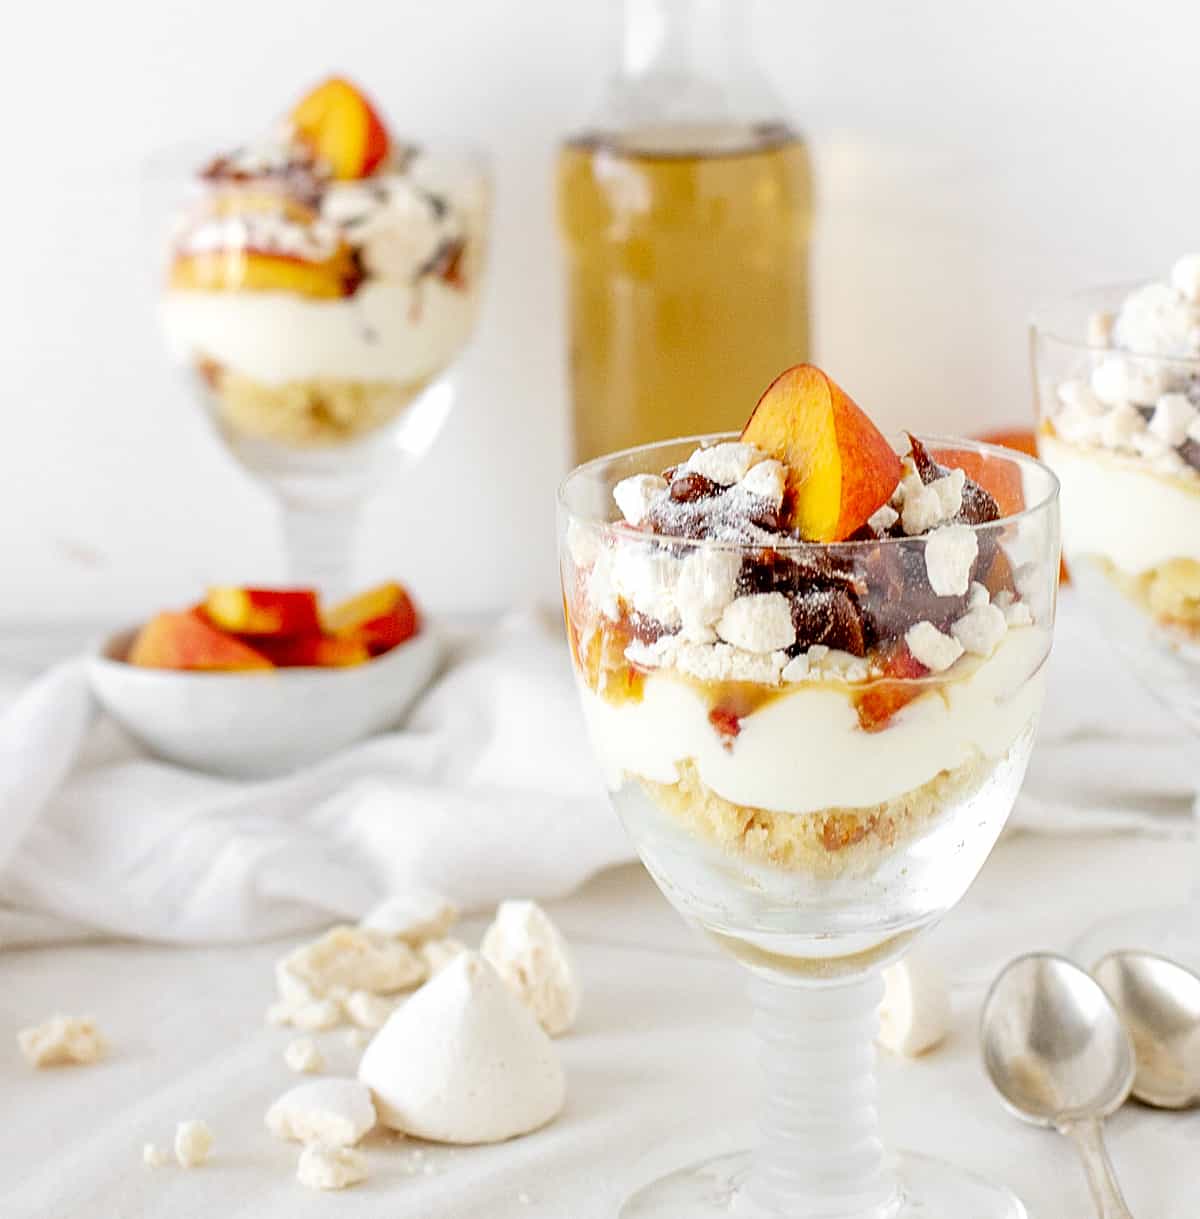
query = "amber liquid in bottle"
x=688 y=288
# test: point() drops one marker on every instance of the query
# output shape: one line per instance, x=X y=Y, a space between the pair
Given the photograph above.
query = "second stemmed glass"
x=316 y=320
x=813 y=817
x=1131 y=533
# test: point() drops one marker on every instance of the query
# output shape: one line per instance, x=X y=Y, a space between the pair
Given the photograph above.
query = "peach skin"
x=314 y=651
x=184 y=640
x=382 y=618
x=840 y=467
x=342 y=128
x=263 y=611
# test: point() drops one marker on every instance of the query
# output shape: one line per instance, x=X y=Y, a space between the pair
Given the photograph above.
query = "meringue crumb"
x=62 y=1041
x=193 y=1143
x=331 y=1167
x=153 y=1155
x=304 y=1056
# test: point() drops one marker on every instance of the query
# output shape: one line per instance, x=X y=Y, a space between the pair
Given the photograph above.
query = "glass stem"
x=820 y=1152
x=318 y=544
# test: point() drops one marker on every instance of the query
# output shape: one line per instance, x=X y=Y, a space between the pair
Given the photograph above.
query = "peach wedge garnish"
x=184 y=640
x=342 y=128
x=263 y=611
x=840 y=468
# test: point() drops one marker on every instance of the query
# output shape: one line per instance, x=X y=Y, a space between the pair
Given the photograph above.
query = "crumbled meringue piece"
x=316 y=1017
x=760 y=622
x=950 y=553
x=915 y=1013
x=933 y=649
x=368 y=1010
x=1173 y=415
x=635 y=495
x=344 y=959
x=1157 y=320
x=766 y=480
x=1120 y=426
x=463 y=1061
x=532 y=957
x=980 y=629
x=706 y=585
x=413 y=917
x=796 y=669
x=323 y=1167
x=1017 y=613
x=62 y=1041
x=1185 y=277
x=883 y=518
x=303 y=1056
x=929 y=504
x=725 y=463
x=193 y=1143
x=1076 y=396
x=333 y=1112
x=977 y=595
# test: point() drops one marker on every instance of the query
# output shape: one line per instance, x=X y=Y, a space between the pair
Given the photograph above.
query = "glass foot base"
x=928 y=1189
x=1169 y=931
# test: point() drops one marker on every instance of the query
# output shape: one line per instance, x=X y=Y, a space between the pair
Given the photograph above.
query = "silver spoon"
x=1159 y=1002
x=1059 y=1056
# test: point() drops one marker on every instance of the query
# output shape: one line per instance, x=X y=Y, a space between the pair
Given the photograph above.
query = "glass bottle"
x=686 y=211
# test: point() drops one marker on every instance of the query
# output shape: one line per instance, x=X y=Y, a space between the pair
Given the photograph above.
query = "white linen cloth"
x=661 y=1068
x=488 y=791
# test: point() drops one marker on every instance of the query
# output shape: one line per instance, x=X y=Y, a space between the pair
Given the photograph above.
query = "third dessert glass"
x=1117 y=375
x=320 y=281
x=812 y=675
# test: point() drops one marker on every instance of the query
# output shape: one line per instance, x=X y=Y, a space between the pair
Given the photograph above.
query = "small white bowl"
x=255 y=725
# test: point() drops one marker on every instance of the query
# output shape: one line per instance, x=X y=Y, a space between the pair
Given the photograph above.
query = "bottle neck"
x=684 y=40
x=687 y=64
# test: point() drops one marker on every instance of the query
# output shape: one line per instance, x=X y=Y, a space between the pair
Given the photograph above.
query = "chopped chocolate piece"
x=829 y=616
x=1190 y=452
x=978 y=504
x=646 y=630
x=927 y=468
x=799 y=571
x=688 y=488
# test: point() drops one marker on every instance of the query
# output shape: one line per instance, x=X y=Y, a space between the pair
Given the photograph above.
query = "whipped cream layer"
x=1119 y=508
x=389 y=330
x=805 y=751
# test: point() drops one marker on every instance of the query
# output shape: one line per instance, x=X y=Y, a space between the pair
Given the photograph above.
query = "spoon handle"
x=1102 y=1181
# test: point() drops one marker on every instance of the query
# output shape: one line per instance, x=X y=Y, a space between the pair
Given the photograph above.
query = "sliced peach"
x=250 y=270
x=184 y=640
x=382 y=618
x=314 y=651
x=996 y=475
x=882 y=699
x=840 y=468
x=341 y=128
x=263 y=611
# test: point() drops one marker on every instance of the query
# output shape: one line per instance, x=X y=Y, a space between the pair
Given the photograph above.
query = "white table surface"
x=659 y=1068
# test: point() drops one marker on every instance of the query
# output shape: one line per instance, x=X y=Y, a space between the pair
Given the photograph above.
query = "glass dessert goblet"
x=814 y=748
x=1117 y=380
x=319 y=284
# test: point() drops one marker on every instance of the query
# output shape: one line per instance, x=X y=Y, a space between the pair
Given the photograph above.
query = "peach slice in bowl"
x=255 y=706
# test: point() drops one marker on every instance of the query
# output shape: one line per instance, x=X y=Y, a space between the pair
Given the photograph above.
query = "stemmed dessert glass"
x=1131 y=535
x=321 y=397
x=813 y=826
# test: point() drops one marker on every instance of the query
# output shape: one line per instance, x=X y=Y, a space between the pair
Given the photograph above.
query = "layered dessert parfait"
x=811 y=664
x=324 y=275
x=1120 y=426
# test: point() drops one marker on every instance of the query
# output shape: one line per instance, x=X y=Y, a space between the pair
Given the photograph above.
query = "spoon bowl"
x=1159 y=1002
x=1055 y=1048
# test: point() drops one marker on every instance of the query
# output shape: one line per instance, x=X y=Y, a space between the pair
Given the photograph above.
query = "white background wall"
x=974 y=157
